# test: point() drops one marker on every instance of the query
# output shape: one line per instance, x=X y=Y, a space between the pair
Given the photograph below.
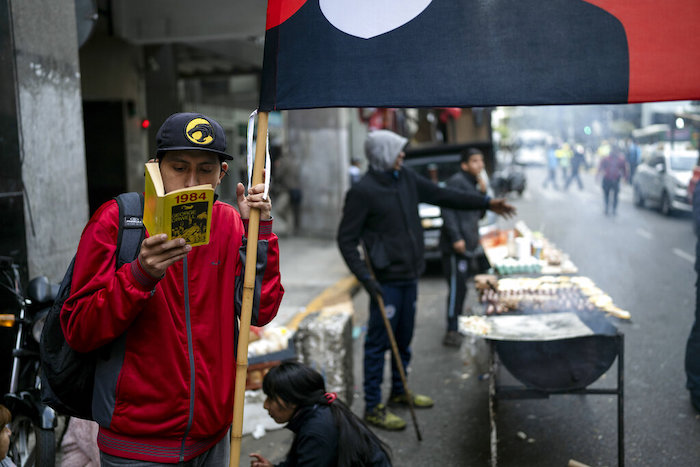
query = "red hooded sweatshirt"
x=165 y=392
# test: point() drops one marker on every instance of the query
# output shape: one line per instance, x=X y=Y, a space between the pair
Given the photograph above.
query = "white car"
x=662 y=179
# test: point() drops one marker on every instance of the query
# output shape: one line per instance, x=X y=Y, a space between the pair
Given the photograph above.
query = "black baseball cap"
x=191 y=131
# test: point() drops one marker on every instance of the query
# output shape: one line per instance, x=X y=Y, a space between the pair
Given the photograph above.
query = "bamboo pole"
x=248 y=292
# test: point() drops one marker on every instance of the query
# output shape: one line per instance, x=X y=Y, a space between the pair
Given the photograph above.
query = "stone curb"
x=341 y=291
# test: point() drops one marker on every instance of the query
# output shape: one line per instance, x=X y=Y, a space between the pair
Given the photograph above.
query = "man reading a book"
x=166 y=322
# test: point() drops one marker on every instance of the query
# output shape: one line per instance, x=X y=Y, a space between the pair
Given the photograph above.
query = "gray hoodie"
x=382 y=147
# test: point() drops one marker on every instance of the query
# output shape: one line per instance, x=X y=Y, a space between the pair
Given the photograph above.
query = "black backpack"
x=67 y=376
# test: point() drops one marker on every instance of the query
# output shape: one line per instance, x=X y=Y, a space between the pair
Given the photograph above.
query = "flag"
x=467 y=53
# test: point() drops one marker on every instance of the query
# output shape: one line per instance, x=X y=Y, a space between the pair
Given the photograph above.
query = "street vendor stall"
x=556 y=334
x=522 y=251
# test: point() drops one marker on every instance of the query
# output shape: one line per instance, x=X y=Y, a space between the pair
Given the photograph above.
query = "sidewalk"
x=310 y=267
x=315 y=278
x=455 y=431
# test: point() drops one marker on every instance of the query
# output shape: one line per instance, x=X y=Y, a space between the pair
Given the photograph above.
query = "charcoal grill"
x=560 y=366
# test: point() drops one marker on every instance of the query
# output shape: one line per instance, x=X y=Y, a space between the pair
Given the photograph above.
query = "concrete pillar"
x=51 y=132
x=12 y=229
x=319 y=140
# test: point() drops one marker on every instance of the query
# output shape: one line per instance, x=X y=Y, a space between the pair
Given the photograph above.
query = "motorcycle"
x=507 y=180
x=33 y=424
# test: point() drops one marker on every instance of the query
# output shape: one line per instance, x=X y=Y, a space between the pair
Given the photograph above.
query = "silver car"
x=662 y=179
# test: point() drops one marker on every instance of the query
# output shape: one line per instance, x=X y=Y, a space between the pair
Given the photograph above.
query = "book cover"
x=184 y=213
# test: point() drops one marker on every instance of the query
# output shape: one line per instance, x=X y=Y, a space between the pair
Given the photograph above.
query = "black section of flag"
x=455 y=53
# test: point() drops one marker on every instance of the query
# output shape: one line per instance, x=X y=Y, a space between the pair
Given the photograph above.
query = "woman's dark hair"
x=295 y=383
x=5 y=416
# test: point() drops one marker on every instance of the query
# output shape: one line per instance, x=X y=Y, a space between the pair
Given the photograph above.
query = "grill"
x=554 y=335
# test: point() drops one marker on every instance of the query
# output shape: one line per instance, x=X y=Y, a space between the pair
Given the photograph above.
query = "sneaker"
x=382 y=418
x=419 y=401
x=452 y=339
x=696 y=403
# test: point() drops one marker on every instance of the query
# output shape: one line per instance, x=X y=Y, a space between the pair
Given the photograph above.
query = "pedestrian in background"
x=578 y=160
x=634 y=156
x=326 y=432
x=169 y=317
x=287 y=192
x=5 y=433
x=603 y=151
x=612 y=168
x=381 y=211
x=564 y=155
x=459 y=240
x=552 y=164
x=692 y=350
x=354 y=171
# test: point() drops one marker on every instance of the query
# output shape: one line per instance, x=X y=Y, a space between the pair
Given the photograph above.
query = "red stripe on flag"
x=279 y=11
x=664 y=46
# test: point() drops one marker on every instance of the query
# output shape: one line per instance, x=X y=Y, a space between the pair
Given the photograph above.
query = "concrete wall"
x=320 y=140
x=51 y=132
x=165 y=21
x=112 y=70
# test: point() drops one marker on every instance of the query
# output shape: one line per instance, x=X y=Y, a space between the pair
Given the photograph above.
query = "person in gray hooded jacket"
x=381 y=211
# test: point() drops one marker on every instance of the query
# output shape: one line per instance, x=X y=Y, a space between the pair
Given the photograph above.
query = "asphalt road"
x=644 y=261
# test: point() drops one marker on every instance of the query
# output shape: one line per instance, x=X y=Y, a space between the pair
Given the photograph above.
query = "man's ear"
x=224 y=171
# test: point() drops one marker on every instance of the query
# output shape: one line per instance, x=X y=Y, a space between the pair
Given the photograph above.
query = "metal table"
x=552 y=353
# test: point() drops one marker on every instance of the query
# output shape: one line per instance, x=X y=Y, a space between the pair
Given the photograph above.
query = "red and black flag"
x=466 y=53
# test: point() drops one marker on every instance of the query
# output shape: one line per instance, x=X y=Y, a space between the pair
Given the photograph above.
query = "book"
x=184 y=213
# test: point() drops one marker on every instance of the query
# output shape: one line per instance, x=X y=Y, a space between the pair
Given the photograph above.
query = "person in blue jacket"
x=326 y=432
x=692 y=350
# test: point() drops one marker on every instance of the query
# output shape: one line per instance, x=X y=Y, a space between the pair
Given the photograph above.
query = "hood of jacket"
x=382 y=147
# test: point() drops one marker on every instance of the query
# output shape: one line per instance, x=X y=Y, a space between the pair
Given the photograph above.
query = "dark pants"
x=400 y=306
x=611 y=186
x=692 y=354
x=577 y=177
x=217 y=456
x=456 y=270
x=551 y=177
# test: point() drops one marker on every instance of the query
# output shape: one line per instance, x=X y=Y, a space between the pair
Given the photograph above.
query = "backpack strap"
x=131 y=229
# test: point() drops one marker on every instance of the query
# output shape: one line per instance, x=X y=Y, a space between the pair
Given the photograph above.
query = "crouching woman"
x=296 y=395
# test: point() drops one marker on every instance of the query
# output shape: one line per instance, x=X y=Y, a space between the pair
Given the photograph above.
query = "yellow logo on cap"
x=200 y=131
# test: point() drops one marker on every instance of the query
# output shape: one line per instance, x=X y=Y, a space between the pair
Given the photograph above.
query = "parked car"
x=439 y=163
x=662 y=179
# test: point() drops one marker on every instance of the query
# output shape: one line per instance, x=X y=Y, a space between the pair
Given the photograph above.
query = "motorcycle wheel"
x=31 y=445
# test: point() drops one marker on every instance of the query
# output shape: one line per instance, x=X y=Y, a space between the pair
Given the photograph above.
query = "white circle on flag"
x=371 y=18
